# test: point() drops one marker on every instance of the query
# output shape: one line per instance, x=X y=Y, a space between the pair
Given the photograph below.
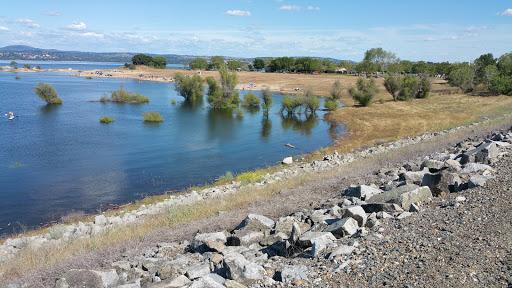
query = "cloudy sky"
x=453 y=30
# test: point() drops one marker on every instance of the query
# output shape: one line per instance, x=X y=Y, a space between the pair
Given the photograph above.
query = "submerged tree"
x=223 y=96
x=190 y=88
x=47 y=93
x=267 y=99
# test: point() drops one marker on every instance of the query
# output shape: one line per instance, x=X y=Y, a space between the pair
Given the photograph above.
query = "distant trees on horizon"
x=143 y=59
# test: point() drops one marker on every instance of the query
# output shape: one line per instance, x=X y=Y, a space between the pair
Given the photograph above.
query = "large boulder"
x=285 y=225
x=417 y=195
x=404 y=196
x=292 y=273
x=77 y=278
x=415 y=177
x=317 y=240
x=357 y=213
x=344 y=227
x=256 y=222
x=205 y=242
x=392 y=195
x=432 y=165
x=477 y=181
x=486 y=153
x=381 y=207
x=239 y=268
x=442 y=182
x=472 y=168
x=362 y=192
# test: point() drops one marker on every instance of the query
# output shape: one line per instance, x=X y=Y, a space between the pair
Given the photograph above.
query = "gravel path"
x=447 y=245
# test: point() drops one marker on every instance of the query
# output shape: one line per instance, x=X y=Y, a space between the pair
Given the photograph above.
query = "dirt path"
x=311 y=194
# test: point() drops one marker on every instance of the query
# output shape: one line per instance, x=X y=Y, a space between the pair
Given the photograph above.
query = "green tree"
x=490 y=72
x=480 y=64
x=216 y=62
x=501 y=84
x=282 y=64
x=505 y=64
x=251 y=101
x=331 y=104
x=47 y=93
x=198 y=64
x=267 y=99
x=258 y=64
x=425 y=85
x=307 y=65
x=393 y=85
x=26 y=66
x=13 y=64
x=158 y=62
x=142 y=59
x=223 y=96
x=364 y=92
x=234 y=65
x=408 y=88
x=379 y=59
x=191 y=88
x=462 y=77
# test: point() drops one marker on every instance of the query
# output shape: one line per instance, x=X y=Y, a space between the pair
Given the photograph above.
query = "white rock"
x=356 y=212
x=287 y=161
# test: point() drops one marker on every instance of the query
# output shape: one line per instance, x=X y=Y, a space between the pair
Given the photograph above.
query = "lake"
x=57 y=160
x=77 y=65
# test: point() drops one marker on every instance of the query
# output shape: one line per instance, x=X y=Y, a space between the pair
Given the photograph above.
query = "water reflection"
x=266 y=127
x=303 y=123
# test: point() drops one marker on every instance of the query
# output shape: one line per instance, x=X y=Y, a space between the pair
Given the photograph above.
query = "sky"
x=433 y=30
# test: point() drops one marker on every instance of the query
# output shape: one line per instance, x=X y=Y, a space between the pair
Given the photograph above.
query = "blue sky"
x=429 y=30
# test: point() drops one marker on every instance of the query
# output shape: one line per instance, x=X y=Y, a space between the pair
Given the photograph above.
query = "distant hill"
x=22 y=52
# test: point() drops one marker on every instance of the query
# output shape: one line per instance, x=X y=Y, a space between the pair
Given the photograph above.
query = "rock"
x=91 y=278
x=344 y=227
x=403 y=215
x=129 y=285
x=414 y=208
x=296 y=233
x=471 y=168
x=381 y=207
x=392 y=195
x=198 y=271
x=209 y=242
x=245 y=237
x=215 y=277
x=362 y=192
x=178 y=282
x=61 y=283
x=413 y=177
x=357 y=213
x=256 y=222
x=432 y=165
x=417 y=195
x=291 y=273
x=205 y=283
x=443 y=182
x=253 y=271
x=452 y=165
x=460 y=199
x=239 y=268
x=210 y=237
x=233 y=284
x=287 y=161
x=100 y=220
x=285 y=225
x=342 y=250
x=383 y=215
x=309 y=238
x=486 y=153
x=477 y=181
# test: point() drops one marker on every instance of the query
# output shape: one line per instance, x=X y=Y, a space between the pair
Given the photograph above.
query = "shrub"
x=223 y=96
x=311 y=103
x=106 y=120
x=226 y=178
x=425 y=85
x=251 y=101
x=336 y=90
x=267 y=99
x=501 y=85
x=290 y=104
x=462 y=77
x=409 y=88
x=198 y=64
x=393 y=85
x=47 y=93
x=190 y=88
x=153 y=117
x=364 y=92
x=123 y=96
x=250 y=177
x=331 y=104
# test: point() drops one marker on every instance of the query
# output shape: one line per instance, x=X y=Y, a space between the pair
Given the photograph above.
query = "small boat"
x=10 y=116
x=289 y=145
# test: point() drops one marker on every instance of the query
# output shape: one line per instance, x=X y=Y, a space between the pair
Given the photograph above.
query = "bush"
x=223 y=96
x=425 y=85
x=226 y=178
x=267 y=99
x=130 y=66
x=153 y=117
x=47 y=93
x=409 y=88
x=311 y=103
x=190 y=88
x=123 y=96
x=336 y=90
x=462 y=77
x=143 y=59
x=251 y=101
x=393 y=85
x=290 y=104
x=198 y=64
x=331 y=104
x=106 y=120
x=501 y=85
x=364 y=92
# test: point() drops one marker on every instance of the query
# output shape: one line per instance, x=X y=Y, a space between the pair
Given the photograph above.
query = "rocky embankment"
x=342 y=241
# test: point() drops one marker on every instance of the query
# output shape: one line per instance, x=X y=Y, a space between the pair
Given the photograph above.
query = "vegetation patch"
x=106 y=120
x=153 y=117
x=123 y=96
x=48 y=94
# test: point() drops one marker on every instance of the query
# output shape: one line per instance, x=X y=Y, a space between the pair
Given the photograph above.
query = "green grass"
x=106 y=120
x=123 y=96
x=153 y=117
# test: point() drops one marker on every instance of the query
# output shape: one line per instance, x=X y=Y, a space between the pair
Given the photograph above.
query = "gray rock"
x=344 y=227
x=215 y=236
x=432 y=164
x=487 y=152
x=309 y=238
x=178 y=282
x=233 y=284
x=342 y=250
x=245 y=237
x=215 y=277
x=205 y=283
x=285 y=225
x=91 y=278
x=403 y=215
x=442 y=182
x=239 y=268
x=198 y=271
x=477 y=181
x=413 y=177
x=471 y=168
x=452 y=165
x=256 y=222
x=357 y=213
x=417 y=195
x=392 y=195
x=382 y=207
x=61 y=283
x=362 y=192
x=291 y=273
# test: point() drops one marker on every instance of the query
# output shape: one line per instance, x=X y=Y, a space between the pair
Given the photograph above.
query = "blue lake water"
x=57 y=160
x=76 y=65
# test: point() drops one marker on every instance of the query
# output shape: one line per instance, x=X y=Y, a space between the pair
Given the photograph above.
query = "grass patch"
x=106 y=120
x=153 y=117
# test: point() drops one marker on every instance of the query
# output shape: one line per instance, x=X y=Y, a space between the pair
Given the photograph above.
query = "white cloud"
x=28 y=23
x=3 y=28
x=77 y=26
x=92 y=34
x=239 y=13
x=313 y=8
x=507 y=12
x=289 y=8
